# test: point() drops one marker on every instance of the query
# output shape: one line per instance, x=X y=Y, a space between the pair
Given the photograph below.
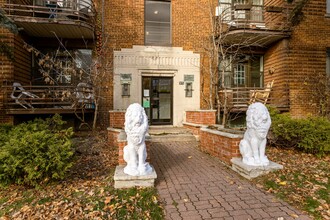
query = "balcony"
x=250 y=25
x=47 y=99
x=239 y=98
x=66 y=18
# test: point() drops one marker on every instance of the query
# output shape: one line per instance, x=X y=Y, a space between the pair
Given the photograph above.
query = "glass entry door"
x=157 y=99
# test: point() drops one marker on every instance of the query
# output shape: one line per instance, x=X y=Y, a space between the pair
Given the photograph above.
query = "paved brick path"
x=193 y=185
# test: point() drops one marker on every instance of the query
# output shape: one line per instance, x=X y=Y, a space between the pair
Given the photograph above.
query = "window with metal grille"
x=189 y=89
x=125 y=89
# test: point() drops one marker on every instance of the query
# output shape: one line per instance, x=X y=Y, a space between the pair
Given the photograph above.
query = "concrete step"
x=170 y=133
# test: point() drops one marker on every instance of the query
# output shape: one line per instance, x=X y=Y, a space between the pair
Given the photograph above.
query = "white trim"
x=159 y=73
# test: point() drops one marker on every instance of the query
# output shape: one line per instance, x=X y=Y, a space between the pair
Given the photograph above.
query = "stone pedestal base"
x=250 y=172
x=122 y=180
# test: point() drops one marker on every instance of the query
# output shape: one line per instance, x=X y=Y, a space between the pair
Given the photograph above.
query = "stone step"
x=172 y=137
x=170 y=133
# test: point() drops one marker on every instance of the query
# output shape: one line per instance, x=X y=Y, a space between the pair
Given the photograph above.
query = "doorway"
x=157 y=99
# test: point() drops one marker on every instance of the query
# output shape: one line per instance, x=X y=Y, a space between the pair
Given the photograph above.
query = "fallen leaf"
x=107 y=200
x=154 y=199
x=294 y=215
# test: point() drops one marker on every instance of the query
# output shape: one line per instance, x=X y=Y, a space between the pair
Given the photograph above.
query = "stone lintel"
x=251 y=172
x=122 y=180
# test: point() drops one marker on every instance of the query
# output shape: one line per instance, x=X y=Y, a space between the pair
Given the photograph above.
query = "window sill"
x=327 y=15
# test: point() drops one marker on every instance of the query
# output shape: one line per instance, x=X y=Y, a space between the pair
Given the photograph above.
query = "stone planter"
x=221 y=143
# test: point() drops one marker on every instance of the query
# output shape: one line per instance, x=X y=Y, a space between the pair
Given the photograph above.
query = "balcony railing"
x=77 y=10
x=20 y=99
x=239 y=98
x=253 y=17
x=27 y=13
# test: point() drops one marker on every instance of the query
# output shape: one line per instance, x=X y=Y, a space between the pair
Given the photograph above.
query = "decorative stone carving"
x=253 y=145
x=135 y=153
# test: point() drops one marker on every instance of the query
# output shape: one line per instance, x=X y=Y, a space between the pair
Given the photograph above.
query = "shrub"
x=36 y=152
x=4 y=130
x=312 y=135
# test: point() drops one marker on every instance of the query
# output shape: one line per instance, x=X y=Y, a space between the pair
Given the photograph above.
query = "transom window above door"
x=158 y=23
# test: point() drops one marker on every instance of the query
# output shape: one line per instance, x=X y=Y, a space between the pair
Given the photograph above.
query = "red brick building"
x=156 y=51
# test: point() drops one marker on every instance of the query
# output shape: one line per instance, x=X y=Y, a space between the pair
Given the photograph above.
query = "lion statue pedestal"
x=137 y=172
x=252 y=147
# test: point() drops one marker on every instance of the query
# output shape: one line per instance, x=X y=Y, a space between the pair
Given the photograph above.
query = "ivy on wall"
x=297 y=15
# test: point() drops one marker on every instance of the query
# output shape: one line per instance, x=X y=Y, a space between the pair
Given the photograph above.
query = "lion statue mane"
x=253 y=145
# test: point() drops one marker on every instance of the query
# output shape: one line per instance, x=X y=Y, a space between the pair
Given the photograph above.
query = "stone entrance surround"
x=152 y=61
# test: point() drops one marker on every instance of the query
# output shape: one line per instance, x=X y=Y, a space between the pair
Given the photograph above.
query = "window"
x=224 y=10
x=241 y=9
x=242 y=70
x=239 y=74
x=189 y=89
x=328 y=6
x=225 y=68
x=62 y=66
x=125 y=89
x=158 y=23
x=256 y=10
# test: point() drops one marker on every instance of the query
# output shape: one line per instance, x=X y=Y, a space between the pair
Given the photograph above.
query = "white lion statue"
x=253 y=145
x=135 y=153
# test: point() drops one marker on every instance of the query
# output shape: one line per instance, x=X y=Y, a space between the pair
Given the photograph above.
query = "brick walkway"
x=193 y=185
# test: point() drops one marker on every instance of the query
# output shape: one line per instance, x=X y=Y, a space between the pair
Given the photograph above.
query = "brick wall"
x=123 y=28
x=205 y=117
x=299 y=57
x=22 y=64
x=116 y=141
x=307 y=56
x=191 y=30
x=19 y=70
x=194 y=128
x=219 y=144
x=276 y=68
x=6 y=74
x=117 y=119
